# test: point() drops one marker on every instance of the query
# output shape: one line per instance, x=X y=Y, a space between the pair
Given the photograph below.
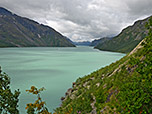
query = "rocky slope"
x=127 y=39
x=123 y=87
x=16 y=31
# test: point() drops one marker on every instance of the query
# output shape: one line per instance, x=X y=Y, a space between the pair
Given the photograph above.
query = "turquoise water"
x=52 y=68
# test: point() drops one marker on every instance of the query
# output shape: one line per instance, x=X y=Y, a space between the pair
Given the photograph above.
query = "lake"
x=50 y=67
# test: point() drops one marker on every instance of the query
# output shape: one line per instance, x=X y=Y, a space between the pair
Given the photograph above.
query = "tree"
x=8 y=100
x=39 y=105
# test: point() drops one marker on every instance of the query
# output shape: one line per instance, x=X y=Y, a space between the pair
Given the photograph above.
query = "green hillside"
x=100 y=41
x=16 y=31
x=123 y=87
x=127 y=40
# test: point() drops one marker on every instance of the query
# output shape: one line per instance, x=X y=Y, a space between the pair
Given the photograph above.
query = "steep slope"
x=127 y=39
x=123 y=87
x=100 y=41
x=16 y=31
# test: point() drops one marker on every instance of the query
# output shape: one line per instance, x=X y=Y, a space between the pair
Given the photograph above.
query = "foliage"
x=39 y=105
x=8 y=100
x=123 y=87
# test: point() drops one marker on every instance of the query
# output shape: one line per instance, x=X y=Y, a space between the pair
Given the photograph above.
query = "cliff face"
x=122 y=87
x=127 y=40
x=16 y=31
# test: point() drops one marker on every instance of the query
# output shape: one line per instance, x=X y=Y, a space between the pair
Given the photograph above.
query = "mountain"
x=101 y=41
x=124 y=87
x=16 y=31
x=69 y=40
x=127 y=40
x=84 y=43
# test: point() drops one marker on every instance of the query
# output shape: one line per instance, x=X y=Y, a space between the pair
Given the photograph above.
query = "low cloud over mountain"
x=82 y=19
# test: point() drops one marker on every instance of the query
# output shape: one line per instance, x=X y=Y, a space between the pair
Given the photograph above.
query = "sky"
x=82 y=20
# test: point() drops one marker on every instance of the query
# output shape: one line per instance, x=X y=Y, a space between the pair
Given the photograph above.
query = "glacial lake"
x=50 y=67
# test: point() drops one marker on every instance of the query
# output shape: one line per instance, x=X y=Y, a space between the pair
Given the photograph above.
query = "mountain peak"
x=17 y=31
x=4 y=11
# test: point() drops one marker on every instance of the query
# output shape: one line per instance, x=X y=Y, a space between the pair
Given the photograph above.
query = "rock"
x=73 y=84
x=69 y=91
x=66 y=93
x=93 y=105
x=92 y=78
x=88 y=87
x=97 y=84
x=85 y=84
x=62 y=98
x=103 y=109
x=104 y=86
x=72 y=96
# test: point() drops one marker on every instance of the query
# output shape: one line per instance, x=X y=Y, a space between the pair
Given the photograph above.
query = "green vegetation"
x=122 y=87
x=100 y=41
x=8 y=100
x=38 y=106
x=16 y=31
x=127 y=40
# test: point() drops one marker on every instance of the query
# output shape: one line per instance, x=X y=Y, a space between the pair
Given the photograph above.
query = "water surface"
x=52 y=68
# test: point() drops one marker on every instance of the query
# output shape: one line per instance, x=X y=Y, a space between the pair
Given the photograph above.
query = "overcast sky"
x=82 y=20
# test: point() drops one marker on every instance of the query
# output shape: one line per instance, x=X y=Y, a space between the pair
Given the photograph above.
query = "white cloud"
x=82 y=19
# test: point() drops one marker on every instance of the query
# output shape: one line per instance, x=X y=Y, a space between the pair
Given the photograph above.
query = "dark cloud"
x=82 y=19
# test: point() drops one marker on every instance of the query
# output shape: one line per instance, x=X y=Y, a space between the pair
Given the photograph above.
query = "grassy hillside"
x=123 y=87
x=16 y=31
x=127 y=40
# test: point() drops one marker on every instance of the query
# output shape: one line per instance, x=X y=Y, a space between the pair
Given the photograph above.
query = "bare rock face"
x=69 y=91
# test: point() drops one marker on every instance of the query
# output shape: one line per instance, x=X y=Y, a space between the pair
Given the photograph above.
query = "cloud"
x=82 y=19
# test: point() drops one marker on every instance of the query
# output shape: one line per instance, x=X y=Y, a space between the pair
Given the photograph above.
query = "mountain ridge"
x=100 y=41
x=17 y=31
x=128 y=39
x=83 y=43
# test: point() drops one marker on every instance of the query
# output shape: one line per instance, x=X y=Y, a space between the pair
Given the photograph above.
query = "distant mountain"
x=127 y=40
x=101 y=40
x=84 y=43
x=16 y=31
